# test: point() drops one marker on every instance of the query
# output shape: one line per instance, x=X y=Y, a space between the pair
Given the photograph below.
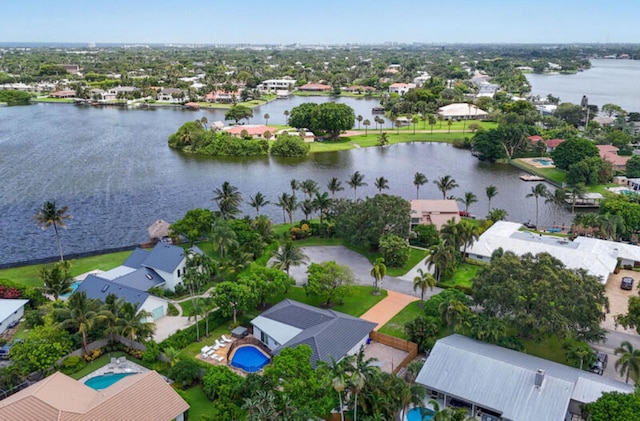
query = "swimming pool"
x=106 y=380
x=74 y=286
x=249 y=358
x=543 y=161
x=414 y=414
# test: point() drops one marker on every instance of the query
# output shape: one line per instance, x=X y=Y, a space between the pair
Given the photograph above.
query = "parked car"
x=627 y=283
x=602 y=358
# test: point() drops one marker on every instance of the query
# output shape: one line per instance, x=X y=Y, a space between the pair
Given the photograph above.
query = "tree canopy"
x=330 y=118
x=572 y=151
x=329 y=280
x=541 y=297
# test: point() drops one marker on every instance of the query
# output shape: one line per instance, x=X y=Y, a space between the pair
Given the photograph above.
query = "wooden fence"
x=397 y=343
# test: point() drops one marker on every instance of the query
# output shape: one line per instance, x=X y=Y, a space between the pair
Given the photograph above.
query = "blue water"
x=106 y=380
x=543 y=161
x=249 y=359
x=74 y=286
x=414 y=414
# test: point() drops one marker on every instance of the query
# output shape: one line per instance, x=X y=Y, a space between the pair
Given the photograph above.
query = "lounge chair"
x=220 y=344
x=205 y=349
x=215 y=347
x=227 y=340
x=218 y=358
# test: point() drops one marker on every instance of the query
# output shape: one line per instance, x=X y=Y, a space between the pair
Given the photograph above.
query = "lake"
x=607 y=82
x=114 y=170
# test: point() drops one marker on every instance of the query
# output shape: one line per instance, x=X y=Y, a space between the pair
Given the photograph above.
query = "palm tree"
x=415 y=121
x=419 y=180
x=453 y=312
x=491 y=191
x=444 y=184
x=286 y=116
x=577 y=191
x=323 y=203
x=378 y=272
x=135 y=325
x=381 y=183
x=441 y=257
x=468 y=233
x=50 y=215
x=287 y=256
x=449 y=123
x=80 y=314
x=290 y=206
x=228 y=199
x=398 y=124
x=283 y=201
x=337 y=371
x=266 y=119
x=359 y=118
x=361 y=370
x=432 y=121
x=295 y=186
x=356 y=180
x=538 y=191
x=334 y=185
x=307 y=207
x=366 y=125
x=56 y=280
x=423 y=281
x=222 y=237
x=611 y=225
x=383 y=139
x=196 y=310
x=309 y=187
x=258 y=201
x=629 y=362
x=469 y=199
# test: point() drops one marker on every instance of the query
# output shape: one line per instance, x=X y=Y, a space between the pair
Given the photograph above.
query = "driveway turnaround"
x=388 y=307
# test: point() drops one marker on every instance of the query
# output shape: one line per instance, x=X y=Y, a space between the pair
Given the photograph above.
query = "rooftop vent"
x=104 y=288
x=149 y=276
x=539 y=378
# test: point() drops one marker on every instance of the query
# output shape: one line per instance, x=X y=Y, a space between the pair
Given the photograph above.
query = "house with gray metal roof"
x=99 y=289
x=497 y=383
x=329 y=333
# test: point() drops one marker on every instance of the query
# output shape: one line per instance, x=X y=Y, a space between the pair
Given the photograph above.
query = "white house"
x=496 y=383
x=11 y=311
x=462 y=111
x=401 y=88
x=172 y=95
x=272 y=85
x=329 y=333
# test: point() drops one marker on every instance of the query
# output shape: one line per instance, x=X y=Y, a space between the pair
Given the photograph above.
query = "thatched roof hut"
x=158 y=229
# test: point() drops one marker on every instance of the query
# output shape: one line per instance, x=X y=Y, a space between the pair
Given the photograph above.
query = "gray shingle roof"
x=327 y=332
x=142 y=279
x=136 y=258
x=99 y=288
x=504 y=380
x=164 y=257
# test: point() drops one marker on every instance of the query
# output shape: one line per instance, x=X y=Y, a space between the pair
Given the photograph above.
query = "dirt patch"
x=619 y=299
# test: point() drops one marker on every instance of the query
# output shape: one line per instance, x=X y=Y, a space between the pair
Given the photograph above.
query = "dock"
x=531 y=178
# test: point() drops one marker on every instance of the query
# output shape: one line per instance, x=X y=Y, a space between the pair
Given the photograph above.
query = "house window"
x=264 y=337
x=178 y=273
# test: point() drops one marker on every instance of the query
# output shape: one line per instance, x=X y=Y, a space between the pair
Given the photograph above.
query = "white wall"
x=152 y=303
x=14 y=317
x=270 y=342
x=359 y=345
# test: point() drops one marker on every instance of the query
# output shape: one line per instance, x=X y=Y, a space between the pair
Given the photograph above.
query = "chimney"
x=539 y=378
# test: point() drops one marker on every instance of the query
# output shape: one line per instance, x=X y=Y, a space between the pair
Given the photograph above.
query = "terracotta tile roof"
x=315 y=87
x=399 y=85
x=252 y=129
x=535 y=139
x=144 y=396
x=610 y=153
x=553 y=143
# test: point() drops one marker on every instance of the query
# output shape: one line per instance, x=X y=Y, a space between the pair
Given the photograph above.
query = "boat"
x=377 y=110
x=531 y=178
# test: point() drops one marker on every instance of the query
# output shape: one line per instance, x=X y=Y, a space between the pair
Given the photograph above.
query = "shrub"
x=172 y=310
x=152 y=352
x=185 y=372
x=93 y=355
x=394 y=250
x=289 y=146
x=220 y=383
x=136 y=353
x=426 y=235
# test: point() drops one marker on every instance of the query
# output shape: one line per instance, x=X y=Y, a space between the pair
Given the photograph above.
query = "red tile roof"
x=553 y=143
x=535 y=139
x=252 y=129
x=610 y=153
x=315 y=87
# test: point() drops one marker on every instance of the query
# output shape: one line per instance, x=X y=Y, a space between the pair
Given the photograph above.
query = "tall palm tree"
x=378 y=272
x=337 y=372
x=415 y=121
x=356 y=180
x=361 y=370
x=290 y=206
x=491 y=192
x=441 y=257
x=577 y=191
x=383 y=139
x=469 y=199
x=432 y=121
x=56 y=280
x=334 y=185
x=468 y=233
x=419 y=180
x=283 y=201
x=538 y=191
x=444 y=184
x=266 y=119
x=295 y=186
x=381 y=183
x=307 y=207
x=258 y=201
x=423 y=281
x=49 y=215
x=222 y=237
x=228 y=198
x=80 y=314
x=359 y=118
x=629 y=362
x=288 y=255
x=453 y=312
x=611 y=225
x=366 y=125
x=286 y=116
x=323 y=203
x=135 y=324
x=309 y=187
x=197 y=309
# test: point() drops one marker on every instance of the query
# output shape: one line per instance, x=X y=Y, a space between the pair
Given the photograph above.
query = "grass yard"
x=356 y=304
x=47 y=99
x=552 y=174
x=462 y=276
x=198 y=402
x=415 y=256
x=28 y=275
x=371 y=139
x=395 y=326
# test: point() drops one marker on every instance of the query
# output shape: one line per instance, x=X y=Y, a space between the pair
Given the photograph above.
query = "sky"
x=320 y=21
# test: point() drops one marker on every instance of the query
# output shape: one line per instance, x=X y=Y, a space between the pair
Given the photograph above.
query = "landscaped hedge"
x=185 y=337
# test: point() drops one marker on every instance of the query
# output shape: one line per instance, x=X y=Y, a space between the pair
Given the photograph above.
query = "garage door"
x=157 y=313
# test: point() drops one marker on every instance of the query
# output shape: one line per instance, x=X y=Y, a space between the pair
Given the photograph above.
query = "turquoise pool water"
x=74 y=286
x=106 y=380
x=543 y=161
x=414 y=414
x=249 y=358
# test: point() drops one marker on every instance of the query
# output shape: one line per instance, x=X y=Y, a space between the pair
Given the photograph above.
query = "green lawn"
x=395 y=326
x=28 y=275
x=47 y=99
x=415 y=256
x=552 y=174
x=355 y=304
x=198 y=402
x=462 y=276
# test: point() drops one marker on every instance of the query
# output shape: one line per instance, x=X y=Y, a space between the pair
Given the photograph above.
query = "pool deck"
x=534 y=162
x=120 y=365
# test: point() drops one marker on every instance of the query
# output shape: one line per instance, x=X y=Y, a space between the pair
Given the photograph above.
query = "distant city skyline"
x=320 y=22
